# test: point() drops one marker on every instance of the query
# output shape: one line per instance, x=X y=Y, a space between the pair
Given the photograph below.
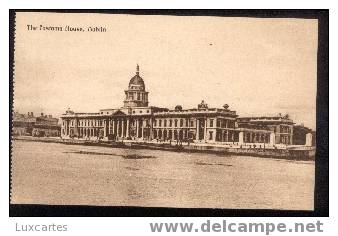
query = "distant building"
x=136 y=120
x=300 y=135
x=28 y=124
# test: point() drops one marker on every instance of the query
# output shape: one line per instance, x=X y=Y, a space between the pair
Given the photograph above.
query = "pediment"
x=119 y=113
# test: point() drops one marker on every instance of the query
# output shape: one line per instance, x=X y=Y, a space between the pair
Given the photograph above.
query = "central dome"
x=136 y=80
x=136 y=95
x=137 y=83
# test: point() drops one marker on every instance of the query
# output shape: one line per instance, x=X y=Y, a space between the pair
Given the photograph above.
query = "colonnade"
x=142 y=128
x=256 y=137
x=118 y=127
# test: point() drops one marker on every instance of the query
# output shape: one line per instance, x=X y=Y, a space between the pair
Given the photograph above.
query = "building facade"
x=280 y=126
x=136 y=120
x=30 y=125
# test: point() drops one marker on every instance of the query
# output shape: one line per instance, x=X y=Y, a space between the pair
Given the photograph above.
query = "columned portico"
x=137 y=128
x=142 y=130
x=118 y=128
x=109 y=126
x=205 y=129
x=122 y=128
x=127 y=129
x=197 y=129
x=105 y=128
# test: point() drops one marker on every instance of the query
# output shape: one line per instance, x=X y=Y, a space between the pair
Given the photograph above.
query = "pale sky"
x=257 y=66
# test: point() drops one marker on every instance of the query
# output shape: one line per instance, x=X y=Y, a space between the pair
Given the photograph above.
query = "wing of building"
x=136 y=120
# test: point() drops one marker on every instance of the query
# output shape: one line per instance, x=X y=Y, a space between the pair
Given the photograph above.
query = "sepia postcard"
x=136 y=110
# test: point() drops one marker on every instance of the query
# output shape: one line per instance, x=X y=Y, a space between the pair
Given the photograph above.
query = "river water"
x=53 y=173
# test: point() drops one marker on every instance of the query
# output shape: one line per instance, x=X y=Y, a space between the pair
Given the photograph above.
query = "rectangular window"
x=210 y=135
x=211 y=123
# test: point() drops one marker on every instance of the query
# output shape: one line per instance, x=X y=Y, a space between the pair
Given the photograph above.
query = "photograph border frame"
x=321 y=193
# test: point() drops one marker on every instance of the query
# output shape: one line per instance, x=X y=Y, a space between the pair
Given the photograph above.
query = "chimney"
x=41 y=113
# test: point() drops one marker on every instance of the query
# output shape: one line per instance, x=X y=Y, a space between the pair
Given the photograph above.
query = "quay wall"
x=301 y=154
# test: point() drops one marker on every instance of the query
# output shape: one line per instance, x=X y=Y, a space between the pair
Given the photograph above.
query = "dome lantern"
x=137 y=69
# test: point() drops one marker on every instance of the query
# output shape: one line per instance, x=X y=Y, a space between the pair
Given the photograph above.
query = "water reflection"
x=211 y=164
x=50 y=173
x=131 y=156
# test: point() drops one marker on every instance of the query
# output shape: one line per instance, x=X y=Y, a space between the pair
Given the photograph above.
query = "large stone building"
x=137 y=120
